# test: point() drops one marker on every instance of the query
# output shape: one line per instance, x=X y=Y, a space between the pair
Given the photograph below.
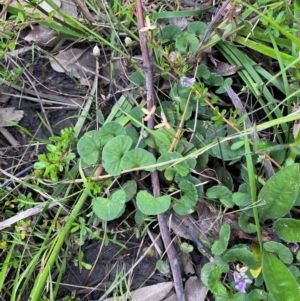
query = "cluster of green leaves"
x=203 y=138
x=276 y=198
x=60 y=154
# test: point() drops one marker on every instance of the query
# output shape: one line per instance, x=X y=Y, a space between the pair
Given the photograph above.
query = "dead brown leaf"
x=42 y=36
x=81 y=64
x=225 y=69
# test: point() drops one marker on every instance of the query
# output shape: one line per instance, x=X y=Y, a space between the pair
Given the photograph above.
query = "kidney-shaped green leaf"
x=280 y=282
x=110 y=208
x=110 y=130
x=167 y=157
x=149 y=204
x=170 y=33
x=137 y=158
x=186 y=203
x=187 y=42
x=130 y=190
x=287 y=229
x=112 y=153
x=89 y=146
x=197 y=27
x=241 y=254
x=222 y=193
x=279 y=193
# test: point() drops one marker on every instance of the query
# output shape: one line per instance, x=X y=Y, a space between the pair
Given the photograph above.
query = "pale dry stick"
x=84 y=10
x=29 y=212
x=9 y=137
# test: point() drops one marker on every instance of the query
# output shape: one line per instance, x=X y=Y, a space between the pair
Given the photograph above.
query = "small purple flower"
x=187 y=81
x=241 y=279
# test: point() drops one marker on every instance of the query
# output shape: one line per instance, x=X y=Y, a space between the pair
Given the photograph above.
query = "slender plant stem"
x=171 y=252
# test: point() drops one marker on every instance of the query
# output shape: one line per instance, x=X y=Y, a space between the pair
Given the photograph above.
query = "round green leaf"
x=137 y=114
x=110 y=130
x=167 y=157
x=187 y=42
x=203 y=72
x=197 y=27
x=170 y=33
x=186 y=203
x=279 y=193
x=241 y=254
x=205 y=271
x=221 y=193
x=137 y=158
x=89 y=146
x=287 y=229
x=195 y=181
x=130 y=190
x=223 y=151
x=186 y=248
x=214 y=283
x=112 y=153
x=280 y=282
x=150 y=205
x=109 y=209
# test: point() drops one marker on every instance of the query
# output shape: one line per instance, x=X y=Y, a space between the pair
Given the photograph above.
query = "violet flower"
x=241 y=279
x=187 y=81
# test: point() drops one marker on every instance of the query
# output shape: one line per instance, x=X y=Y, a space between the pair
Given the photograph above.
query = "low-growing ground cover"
x=149 y=150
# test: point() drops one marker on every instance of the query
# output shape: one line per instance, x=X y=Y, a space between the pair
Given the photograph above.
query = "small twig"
x=171 y=252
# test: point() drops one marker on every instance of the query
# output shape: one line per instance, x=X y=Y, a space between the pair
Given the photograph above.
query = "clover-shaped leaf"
x=109 y=208
x=89 y=147
x=150 y=205
x=137 y=158
x=112 y=153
